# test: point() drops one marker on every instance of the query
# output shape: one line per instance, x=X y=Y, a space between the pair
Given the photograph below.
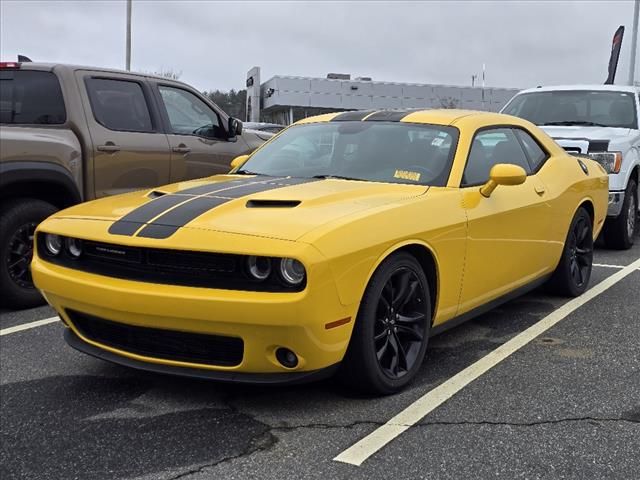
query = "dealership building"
x=286 y=99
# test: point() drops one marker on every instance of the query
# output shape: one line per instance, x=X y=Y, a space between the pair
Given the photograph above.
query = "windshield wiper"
x=340 y=177
x=575 y=122
x=247 y=172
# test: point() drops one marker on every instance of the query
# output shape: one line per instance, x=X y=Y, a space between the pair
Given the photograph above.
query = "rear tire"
x=18 y=221
x=619 y=232
x=571 y=277
x=390 y=335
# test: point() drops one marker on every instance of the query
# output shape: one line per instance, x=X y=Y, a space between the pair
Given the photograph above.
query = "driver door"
x=197 y=138
x=508 y=233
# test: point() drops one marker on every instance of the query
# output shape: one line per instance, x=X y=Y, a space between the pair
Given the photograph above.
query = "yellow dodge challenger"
x=341 y=245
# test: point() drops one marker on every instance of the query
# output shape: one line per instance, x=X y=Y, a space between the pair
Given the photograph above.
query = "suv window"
x=31 y=97
x=119 y=105
x=188 y=115
x=490 y=147
x=536 y=155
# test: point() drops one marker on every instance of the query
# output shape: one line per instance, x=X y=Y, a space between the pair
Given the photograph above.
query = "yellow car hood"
x=280 y=208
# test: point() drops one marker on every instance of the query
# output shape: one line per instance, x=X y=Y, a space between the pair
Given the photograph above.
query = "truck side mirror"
x=234 y=128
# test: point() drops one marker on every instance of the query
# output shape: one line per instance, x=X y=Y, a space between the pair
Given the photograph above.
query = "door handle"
x=540 y=190
x=182 y=148
x=109 y=147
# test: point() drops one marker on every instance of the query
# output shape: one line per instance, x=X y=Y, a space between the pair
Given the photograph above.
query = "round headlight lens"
x=53 y=243
x=74 y=247
x=259 y=267
x=292 y=271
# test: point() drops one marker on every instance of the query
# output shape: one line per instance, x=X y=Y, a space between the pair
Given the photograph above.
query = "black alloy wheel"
x=20 y=253
x=400 y=323
x=581 y=251
x=572 y=275
x=391 y=332
x=19 y=218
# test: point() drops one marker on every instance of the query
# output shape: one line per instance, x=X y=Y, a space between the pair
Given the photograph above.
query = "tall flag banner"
x=615 y=55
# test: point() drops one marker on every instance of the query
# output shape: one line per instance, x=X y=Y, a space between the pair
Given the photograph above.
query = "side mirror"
x=234 y=127
x=238 y=161
x=503 y=174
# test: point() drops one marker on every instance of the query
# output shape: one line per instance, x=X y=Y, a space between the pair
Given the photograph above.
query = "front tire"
x=619 y=232
x=18 y=221
x=572 y=275
x=390 y=336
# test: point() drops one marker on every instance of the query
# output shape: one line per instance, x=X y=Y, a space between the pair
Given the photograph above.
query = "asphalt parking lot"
x=565 y=405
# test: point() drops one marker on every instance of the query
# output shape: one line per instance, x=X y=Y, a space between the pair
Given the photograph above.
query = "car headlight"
x=292 y=271
x=74 y=247
x=610 y=161
x=259 y=267
x=53 y=243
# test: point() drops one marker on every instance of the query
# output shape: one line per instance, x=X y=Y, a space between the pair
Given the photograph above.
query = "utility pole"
x=634 y=42
x=128 y=35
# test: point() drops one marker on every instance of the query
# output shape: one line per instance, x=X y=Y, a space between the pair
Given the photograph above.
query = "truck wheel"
x=619 y=232
x=18 y=221
x=390 y=336
x=571 y=277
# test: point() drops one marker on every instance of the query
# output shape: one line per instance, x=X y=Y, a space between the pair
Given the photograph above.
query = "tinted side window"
x=489 y=148
x=188 y=115
x=119 y=105
x=536 y=155
x=31 y=97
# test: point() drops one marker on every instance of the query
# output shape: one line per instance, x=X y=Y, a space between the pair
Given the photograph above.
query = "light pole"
x=128 y=35
x=634 y=42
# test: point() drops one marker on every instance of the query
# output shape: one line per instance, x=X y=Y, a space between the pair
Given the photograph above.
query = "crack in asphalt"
x=267 y=440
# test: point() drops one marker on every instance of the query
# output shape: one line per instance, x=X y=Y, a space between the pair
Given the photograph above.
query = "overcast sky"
x=213 y=44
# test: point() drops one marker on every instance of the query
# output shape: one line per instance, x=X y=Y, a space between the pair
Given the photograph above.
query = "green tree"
x=232 y=102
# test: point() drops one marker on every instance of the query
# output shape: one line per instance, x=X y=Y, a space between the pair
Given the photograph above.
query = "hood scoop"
x=155 y=194
x=273 y=203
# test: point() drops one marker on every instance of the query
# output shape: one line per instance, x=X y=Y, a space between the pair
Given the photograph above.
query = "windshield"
x=372 y=151
x=585 y=107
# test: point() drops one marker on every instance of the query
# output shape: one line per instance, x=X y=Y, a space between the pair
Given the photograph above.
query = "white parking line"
x=27 y=326
x=606 y=265
x=360 y=451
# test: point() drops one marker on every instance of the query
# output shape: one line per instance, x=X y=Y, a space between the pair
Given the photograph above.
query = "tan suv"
x=70 y=134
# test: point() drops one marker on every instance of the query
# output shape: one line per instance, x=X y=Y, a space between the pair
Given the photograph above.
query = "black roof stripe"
x=391 y=115
x=353 y=116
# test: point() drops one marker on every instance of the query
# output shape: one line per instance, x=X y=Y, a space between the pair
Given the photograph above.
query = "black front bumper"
x=292 y=378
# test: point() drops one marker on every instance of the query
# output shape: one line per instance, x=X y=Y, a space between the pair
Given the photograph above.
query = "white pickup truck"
x=600 y=121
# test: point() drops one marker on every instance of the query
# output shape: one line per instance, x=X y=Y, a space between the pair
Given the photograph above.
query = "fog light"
x=259 y=267
x=292 y=271
x=53 y=243
x=74 y=247
x=286 y=357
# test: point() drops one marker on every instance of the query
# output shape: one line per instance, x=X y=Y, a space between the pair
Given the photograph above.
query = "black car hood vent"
x=273 y=203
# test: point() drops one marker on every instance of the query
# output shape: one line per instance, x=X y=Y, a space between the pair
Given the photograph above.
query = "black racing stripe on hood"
x=168 y=223
x=356 y=115
x=391 y=115
x=131 y=222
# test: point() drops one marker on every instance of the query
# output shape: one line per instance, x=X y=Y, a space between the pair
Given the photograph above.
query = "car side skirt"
x=454 y=322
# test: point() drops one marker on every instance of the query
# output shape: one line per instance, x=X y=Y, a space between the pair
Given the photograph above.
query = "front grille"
x=158 y=343
x=166 y=266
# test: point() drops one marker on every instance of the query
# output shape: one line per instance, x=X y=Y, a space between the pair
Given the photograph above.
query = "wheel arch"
x=427 y=259
x=39 y=180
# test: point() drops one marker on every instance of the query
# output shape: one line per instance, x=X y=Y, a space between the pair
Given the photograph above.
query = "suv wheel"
x=18 y=221
x=619 y=232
